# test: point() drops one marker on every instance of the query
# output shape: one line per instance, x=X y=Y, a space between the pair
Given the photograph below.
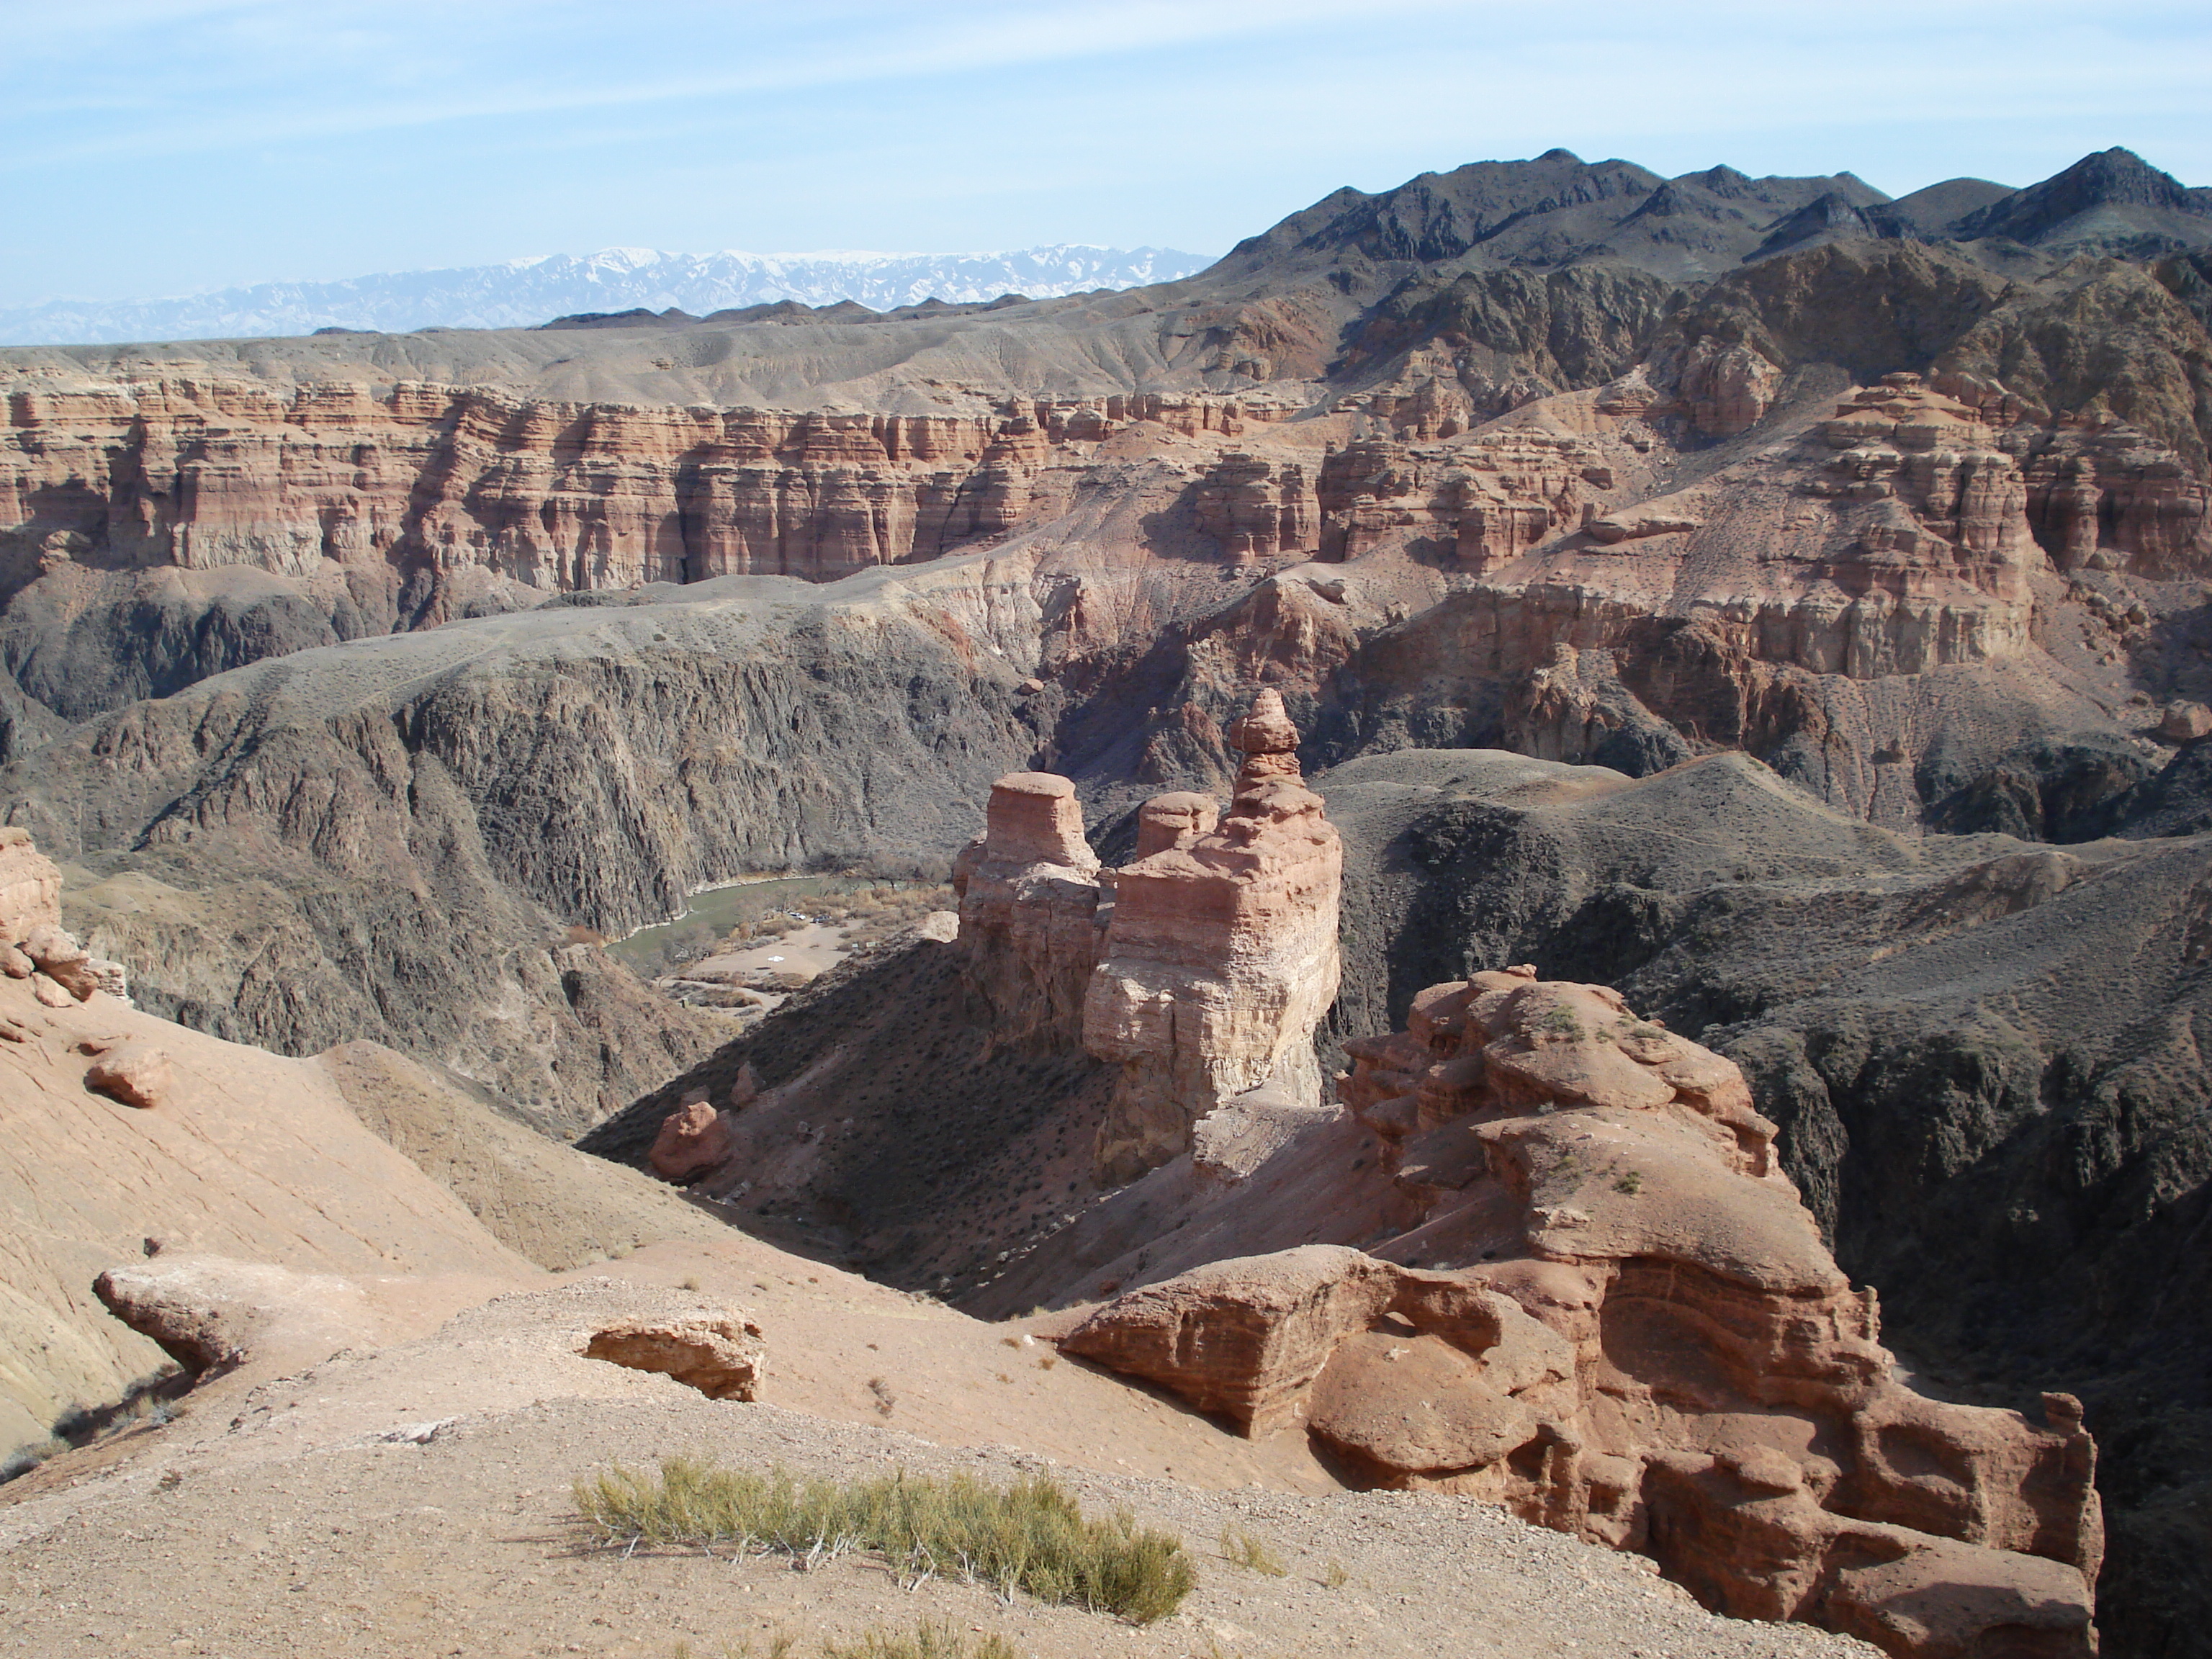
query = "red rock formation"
x=1256 y=508
x=1491 y=499
x=30 y=885
x=2106 y=497
x=32 y=944
x=1726 y=389
x=1205 y=977
x=1166 y=822
x=693 y=1139
x=1028 y=900
x=555 y=496
x=1219 y=957
x=719 y=1354
x=1629 y=1330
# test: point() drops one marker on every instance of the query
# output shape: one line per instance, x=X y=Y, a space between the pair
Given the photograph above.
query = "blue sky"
x=154 y=146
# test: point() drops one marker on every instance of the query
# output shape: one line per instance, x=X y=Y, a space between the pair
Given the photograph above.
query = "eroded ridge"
x=1631 y=1333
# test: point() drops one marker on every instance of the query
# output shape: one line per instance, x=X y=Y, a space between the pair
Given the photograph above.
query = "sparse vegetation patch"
x=927 y=1640
x=1244 y=1548
x=1032 y=1537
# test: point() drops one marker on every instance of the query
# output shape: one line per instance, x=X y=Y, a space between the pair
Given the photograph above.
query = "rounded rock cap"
x=1267 y=729
x=1050 y=785
x=1172 y=819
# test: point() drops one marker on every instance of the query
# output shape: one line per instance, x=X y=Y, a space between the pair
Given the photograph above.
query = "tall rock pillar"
x=1220 y=955
x=1028 y=898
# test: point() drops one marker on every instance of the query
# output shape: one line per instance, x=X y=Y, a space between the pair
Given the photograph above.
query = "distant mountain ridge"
x=523 y=293
x=1558 y=210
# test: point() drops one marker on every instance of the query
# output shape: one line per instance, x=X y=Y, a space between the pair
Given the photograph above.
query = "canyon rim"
x=1578 y=838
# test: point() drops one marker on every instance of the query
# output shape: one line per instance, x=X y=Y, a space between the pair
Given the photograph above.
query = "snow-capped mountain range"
x=523 y=293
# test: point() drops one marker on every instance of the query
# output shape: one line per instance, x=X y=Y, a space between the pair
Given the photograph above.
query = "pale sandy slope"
x=305 y=1506
x=255 y=1155
x=299 y=1516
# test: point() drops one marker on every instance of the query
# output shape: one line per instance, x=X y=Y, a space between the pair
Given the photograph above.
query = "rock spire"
x=1220 y=952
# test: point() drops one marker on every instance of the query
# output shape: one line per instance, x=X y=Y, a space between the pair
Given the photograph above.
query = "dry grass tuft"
x=780 y=1646
x=928 y=1640
x=1032 y=1537
x=1248 y=1550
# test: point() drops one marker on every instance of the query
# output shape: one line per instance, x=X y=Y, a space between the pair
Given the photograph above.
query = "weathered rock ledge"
x=1643 y=1342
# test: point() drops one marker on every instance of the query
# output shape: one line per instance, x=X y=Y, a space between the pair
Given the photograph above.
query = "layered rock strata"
x=1646 y=1343
x=204 y=472
x=1220 y=954
x=1200 y=969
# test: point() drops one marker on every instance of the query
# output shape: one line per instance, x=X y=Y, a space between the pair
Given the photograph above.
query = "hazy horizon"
x=160 y=148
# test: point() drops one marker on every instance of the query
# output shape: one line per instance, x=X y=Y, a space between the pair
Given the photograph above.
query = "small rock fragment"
x=720 y=1356
x=2185 y=722
x=136 y=1073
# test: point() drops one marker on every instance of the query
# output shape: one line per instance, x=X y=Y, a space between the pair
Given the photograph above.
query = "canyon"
x=1614 y=1314
x=1781 y=605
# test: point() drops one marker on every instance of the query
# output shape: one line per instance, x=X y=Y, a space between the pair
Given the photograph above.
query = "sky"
x=159 y=147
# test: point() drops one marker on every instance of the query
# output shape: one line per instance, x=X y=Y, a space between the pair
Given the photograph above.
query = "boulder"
x=2184 y=722
x=62 y=959
x=211 y=1314
x=136 y=1072
x=693 y=1139
x=720 y=1355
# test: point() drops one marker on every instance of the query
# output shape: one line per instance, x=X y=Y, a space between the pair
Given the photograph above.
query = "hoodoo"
x=1220 y=954
x=1200 y=969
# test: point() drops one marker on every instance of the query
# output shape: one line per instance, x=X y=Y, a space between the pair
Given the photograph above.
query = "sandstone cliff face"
x=1198 y=971
x=554 y=498
x=1219 y=957
x=1632 y=1332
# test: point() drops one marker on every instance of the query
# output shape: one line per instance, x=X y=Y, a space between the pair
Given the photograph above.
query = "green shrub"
x=1561 y=1022
x=1031 y=1535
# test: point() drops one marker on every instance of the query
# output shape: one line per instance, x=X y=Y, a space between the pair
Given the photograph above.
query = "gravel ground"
x=416 y=1501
